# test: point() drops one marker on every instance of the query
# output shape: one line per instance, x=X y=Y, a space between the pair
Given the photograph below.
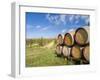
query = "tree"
x=41 y=41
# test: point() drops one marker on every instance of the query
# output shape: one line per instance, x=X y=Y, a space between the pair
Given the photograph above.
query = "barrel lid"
x=85 y=40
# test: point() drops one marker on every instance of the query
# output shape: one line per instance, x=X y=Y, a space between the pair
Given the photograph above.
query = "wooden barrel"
x=81 y=36
x=59 y=50
x=65 y=51
x=88 y=31
x=75 y=52
x=59 y=39
x=68 y=40
x=86 y=54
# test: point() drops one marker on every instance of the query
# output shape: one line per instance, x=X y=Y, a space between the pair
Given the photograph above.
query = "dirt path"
x=50 y=45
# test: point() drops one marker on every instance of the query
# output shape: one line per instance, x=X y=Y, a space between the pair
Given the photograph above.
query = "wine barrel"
x=68 y=40
x=65 y=51
x=59 y=50
x=75 y=52
x=88 y=31
x=86 y=54
x=59 y=39
x=81 y=36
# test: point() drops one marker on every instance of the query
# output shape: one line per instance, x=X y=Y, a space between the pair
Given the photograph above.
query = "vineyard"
x=72 y=49
x=41 y=52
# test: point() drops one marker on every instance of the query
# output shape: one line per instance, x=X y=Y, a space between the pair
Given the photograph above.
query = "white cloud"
x=86 y=18
x=76 y=21
x=77 y=16
x=29 y=27
x=71 y=18
x=49 y=17
x=38 y=26
x=41 y=28
x=63 y=31
x=44 y=29
x=54 y=19
x=63 y=18
x=70 y=30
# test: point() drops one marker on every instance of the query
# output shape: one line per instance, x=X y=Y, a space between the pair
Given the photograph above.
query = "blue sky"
x=49 y=25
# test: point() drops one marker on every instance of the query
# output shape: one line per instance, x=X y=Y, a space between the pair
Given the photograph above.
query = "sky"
x=49 y=25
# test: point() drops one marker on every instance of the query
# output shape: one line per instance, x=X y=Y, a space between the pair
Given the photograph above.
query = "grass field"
x=43 y=56
x=41 y=52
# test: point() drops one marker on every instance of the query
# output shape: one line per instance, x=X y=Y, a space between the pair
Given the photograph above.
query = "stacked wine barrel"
x=74 y=46
x=59 y=45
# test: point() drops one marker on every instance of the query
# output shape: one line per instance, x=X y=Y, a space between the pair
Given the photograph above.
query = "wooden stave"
x=73 y=56
x=66 y=54
x=59 y=41
x=71 y=38
x=86 y=41
x=57 y=52
x=88 y=31
x=85 y=61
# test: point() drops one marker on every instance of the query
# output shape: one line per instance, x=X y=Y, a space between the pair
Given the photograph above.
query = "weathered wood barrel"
x=68 y=40
x=86 y=54
x=65 y=51
x=75 y=52
x=88 y=31
x=59 y=39
x=81 y=36
x=59 y=50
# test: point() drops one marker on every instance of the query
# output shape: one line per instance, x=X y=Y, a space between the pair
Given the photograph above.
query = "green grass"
x=38 y=56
